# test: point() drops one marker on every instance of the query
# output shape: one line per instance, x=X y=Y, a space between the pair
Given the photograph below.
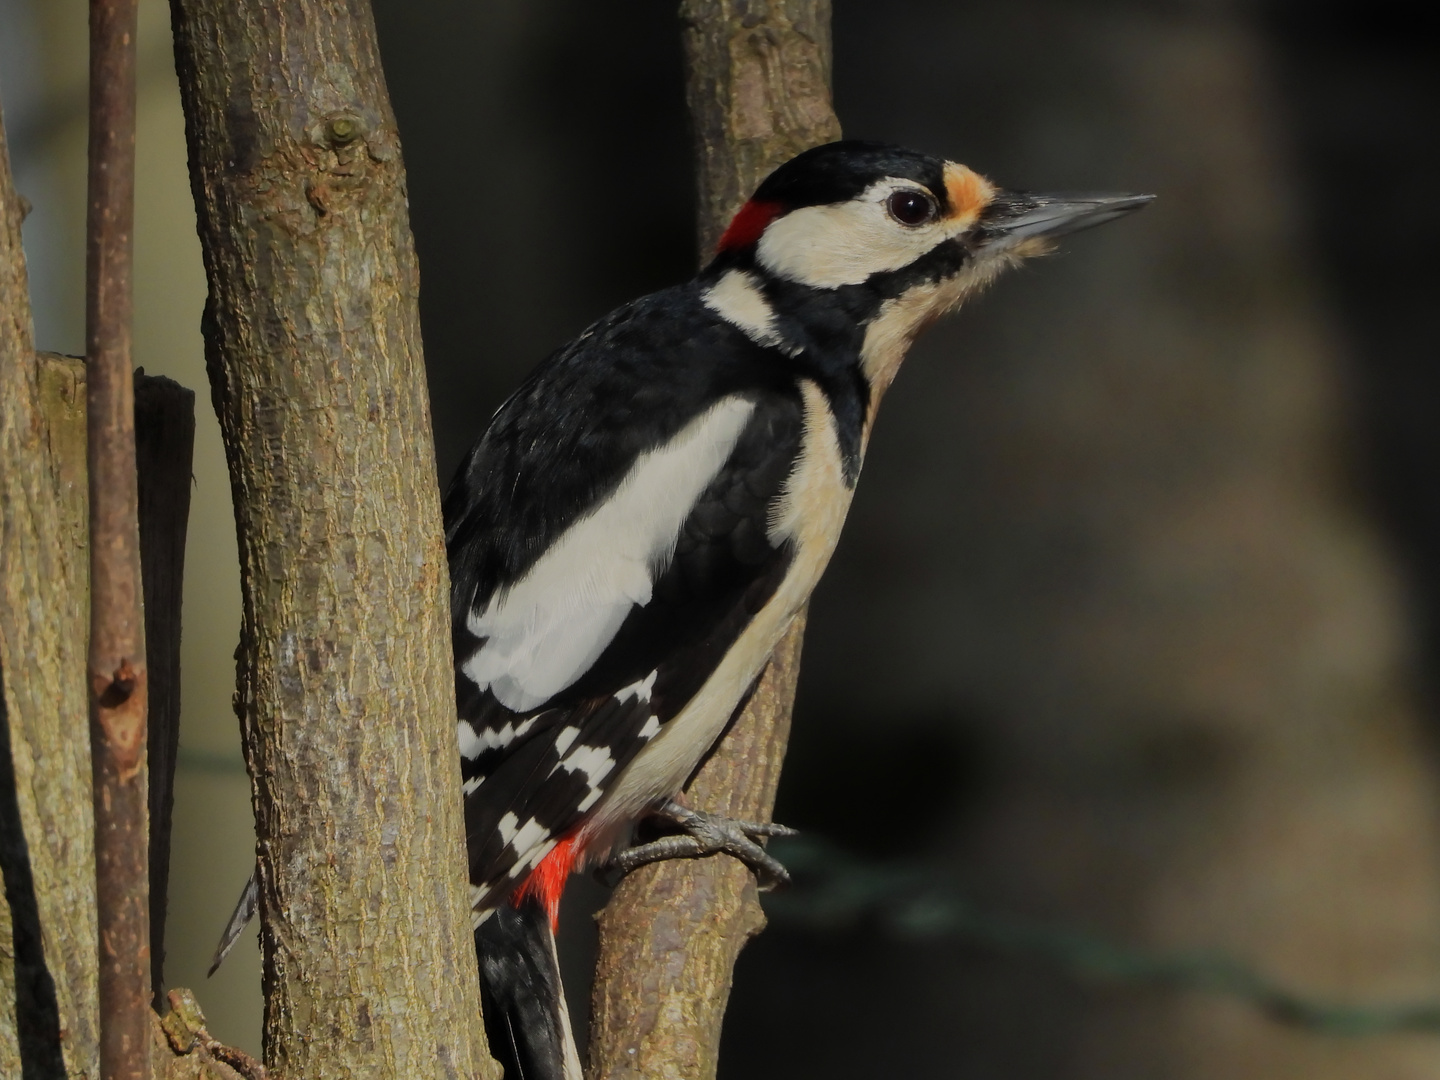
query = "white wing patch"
x=596 y=763
x=544 y=632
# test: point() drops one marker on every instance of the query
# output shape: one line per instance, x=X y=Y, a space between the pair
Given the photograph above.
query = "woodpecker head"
x=891 y=237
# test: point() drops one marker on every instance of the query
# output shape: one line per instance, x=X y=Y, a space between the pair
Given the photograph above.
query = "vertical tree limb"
x=116 y=668
x=48 y=985
x=346 y=692
x=758 y=88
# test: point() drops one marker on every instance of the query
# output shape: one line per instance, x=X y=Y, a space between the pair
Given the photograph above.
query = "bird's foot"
x=704 y=835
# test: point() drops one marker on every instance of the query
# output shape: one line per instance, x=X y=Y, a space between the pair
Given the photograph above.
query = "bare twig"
x=116 y=668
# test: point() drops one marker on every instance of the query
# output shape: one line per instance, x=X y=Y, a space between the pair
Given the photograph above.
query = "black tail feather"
x=526 y=1018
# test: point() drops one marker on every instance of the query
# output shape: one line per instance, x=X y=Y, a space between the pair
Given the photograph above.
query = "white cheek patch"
x=546 y=630
x=845 y=243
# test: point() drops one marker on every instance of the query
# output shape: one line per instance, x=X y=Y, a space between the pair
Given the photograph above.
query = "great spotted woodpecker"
x=647 y=513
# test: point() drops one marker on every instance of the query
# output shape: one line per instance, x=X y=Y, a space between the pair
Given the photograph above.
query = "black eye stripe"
x=911 y=207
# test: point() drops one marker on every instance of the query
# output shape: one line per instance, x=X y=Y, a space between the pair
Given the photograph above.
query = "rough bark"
x=164 y=424
x=758 y=89
x=48 y=995
x=183 y=1049
x=346 y=695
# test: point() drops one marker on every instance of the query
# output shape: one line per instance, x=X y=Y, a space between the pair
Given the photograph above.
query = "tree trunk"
x=345 y=694
x=758 y=89
x=46 y=827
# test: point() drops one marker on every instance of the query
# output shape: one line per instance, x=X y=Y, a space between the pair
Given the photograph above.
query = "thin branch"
x=116 y=668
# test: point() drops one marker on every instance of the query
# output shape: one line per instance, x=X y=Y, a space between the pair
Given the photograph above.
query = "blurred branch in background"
x=836 y=892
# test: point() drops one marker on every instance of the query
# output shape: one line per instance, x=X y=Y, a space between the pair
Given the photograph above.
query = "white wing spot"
x=473 y=744
x=639 y=690
x=651 y=728
x=564 y=739
x=530 y=834
x=470 y=743
x=508 y=826
x=472 y=785
x=594 y=761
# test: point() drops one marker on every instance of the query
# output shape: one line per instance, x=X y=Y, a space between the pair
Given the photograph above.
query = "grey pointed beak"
x=1013 y=217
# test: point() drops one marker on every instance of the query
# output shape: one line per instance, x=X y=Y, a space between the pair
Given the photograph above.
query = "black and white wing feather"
x=597 y=580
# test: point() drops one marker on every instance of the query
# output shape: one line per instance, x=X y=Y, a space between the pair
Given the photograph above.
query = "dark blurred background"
x=1133 y=631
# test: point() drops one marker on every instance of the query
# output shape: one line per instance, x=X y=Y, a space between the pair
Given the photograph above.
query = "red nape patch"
x=547 y=881
x=746 y=227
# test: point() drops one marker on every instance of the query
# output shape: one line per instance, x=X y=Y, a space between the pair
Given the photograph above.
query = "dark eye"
x=911 y=207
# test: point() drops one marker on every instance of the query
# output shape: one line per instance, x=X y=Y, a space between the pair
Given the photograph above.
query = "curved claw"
x=706 y=835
